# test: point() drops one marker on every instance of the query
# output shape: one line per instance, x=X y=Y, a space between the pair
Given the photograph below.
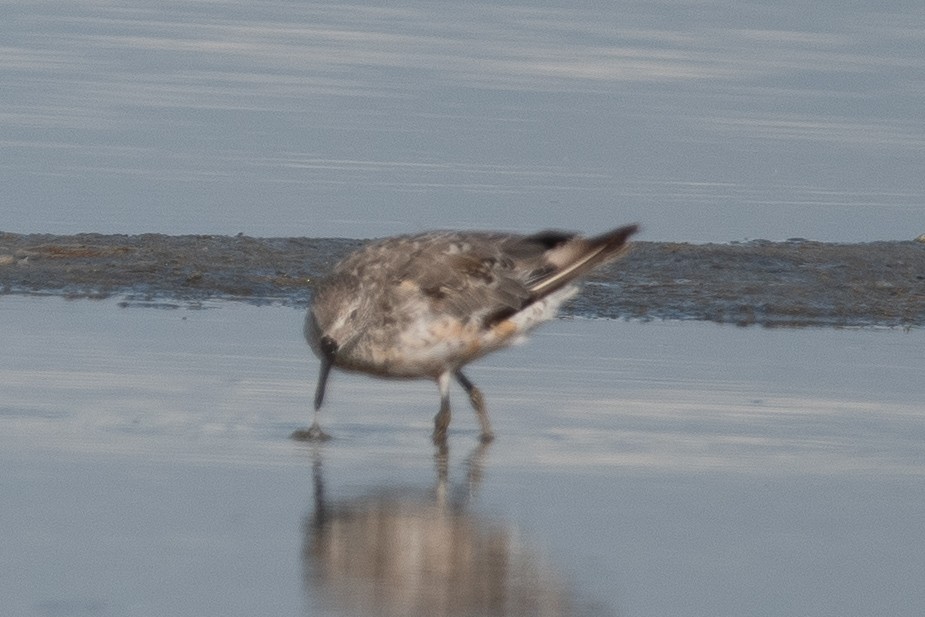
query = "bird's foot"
x=487 y=437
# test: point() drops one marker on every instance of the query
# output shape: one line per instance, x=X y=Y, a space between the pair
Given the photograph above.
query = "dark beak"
x=328 y=351
x=322 y=380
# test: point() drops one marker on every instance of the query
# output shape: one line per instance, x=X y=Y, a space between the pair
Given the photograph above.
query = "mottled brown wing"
x=549 y=261
x=481 y=275
x=477 y=275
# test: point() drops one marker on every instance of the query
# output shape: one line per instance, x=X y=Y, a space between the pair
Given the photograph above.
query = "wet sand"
x=660 y=468
x=794 y=283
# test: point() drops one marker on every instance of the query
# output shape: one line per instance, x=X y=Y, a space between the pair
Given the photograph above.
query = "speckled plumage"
x=423 y=306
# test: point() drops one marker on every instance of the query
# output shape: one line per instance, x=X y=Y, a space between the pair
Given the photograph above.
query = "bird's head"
x=332 y=325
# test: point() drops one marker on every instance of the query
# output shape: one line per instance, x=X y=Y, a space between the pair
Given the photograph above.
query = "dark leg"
x=478 y=403
x=442 y=419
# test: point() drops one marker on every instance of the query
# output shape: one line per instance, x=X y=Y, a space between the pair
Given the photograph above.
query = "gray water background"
x=640 y=469
x=706 y=121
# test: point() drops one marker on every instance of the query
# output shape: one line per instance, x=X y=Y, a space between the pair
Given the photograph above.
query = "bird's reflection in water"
x=422 y=553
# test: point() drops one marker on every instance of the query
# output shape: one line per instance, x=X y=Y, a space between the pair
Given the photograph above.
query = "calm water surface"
x=640 y=469
x=704 y=120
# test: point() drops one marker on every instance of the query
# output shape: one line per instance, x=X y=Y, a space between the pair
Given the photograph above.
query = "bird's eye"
x=328 y=346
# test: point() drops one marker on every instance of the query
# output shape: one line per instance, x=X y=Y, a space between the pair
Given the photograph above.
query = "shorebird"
x=425 y=305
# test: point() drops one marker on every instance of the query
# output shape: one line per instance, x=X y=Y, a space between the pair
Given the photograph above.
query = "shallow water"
x=640 y=469
x=706 y=121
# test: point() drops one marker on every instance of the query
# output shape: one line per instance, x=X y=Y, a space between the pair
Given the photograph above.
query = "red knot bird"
x=425 y=305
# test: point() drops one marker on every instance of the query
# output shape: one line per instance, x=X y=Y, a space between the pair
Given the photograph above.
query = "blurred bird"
x=425 y=305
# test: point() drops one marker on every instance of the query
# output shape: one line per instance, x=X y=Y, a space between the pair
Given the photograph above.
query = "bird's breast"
x=426 y=347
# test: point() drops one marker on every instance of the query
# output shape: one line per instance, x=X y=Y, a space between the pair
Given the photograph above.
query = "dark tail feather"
x=613 y=242
x=583 y=256
x=574 y=257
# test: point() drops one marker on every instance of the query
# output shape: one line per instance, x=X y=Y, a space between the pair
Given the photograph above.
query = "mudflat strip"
x=792 y=283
